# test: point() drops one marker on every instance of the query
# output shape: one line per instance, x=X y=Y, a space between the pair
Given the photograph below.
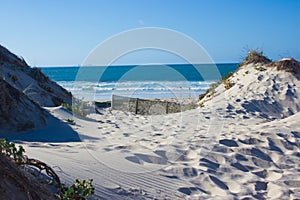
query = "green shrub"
x=211 y=89
x=67 y=106
x=260 y=68
x=10 y=150
x=80 y=190
x=71 y=121
x=76 y=109
x=213 y=86
x=201 y=96
x=228 y=84
x=227 y=76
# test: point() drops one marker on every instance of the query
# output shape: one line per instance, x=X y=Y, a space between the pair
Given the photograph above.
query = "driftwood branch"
x=42 y=167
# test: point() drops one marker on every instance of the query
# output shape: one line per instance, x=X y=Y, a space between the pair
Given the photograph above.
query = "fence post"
x=167 y=108
x=112 y=101
x=136 y=105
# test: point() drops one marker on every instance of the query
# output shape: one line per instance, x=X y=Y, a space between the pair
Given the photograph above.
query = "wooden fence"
x=147 y=106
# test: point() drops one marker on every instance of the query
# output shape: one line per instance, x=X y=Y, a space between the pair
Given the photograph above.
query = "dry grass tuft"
x=288 y=64
x=255 y=57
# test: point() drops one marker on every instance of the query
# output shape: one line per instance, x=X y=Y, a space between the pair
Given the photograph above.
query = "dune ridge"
x=242 y=142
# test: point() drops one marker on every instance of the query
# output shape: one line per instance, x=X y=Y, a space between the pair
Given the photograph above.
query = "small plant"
x=80 y=190
x=10 y=150
x=214 y=86
x=247 y=72
x=260 y=68
x=255 y=56
x=71 y=121
x=227 y=76
x=75 y=109
x=67 y=106
x=228 y=84
x=201 y=96
x=13 y=77
x=201 y=105
x=209 y=92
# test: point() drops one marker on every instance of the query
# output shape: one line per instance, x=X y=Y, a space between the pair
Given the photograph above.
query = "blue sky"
x=63 y=32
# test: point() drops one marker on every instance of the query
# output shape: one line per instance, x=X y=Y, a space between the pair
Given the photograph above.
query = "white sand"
x=244 y=142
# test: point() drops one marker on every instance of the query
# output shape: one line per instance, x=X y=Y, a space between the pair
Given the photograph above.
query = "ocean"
x=147 y=81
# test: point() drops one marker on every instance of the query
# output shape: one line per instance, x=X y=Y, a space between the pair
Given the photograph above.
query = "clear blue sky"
x=63 y=32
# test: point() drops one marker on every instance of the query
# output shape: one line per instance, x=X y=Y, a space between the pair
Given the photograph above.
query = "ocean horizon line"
x=148 y=64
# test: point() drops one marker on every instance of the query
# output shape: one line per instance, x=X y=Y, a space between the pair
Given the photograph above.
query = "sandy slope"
x=17 y=184
x=31 y=81
x=243 y=144
x=17 y=112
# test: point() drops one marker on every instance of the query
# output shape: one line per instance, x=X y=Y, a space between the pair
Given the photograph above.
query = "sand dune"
x=18 y=112
x=31 y=81
x=243 y=143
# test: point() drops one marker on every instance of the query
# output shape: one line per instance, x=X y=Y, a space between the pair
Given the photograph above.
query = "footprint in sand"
x=250 y=141
x=261 y=185
x=222 y=149
x=258 y=153
x=261 y=174
x=289 y=145
x=126 y=134
x=161 y=153
x=209 y=164
x=241 y=157
x=134 y=159
x=273 y=146
x=188 y=190
x=261 y=163
x=228 y=143
x=219 y=183
x=141 y=158
x=190 y=172
x=239 y=166
x=292 y=183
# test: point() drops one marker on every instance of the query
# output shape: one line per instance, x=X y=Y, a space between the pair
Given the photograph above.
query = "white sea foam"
x=149 y=89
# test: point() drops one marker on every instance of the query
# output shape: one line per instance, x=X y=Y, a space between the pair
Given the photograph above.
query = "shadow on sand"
x=55 y=131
